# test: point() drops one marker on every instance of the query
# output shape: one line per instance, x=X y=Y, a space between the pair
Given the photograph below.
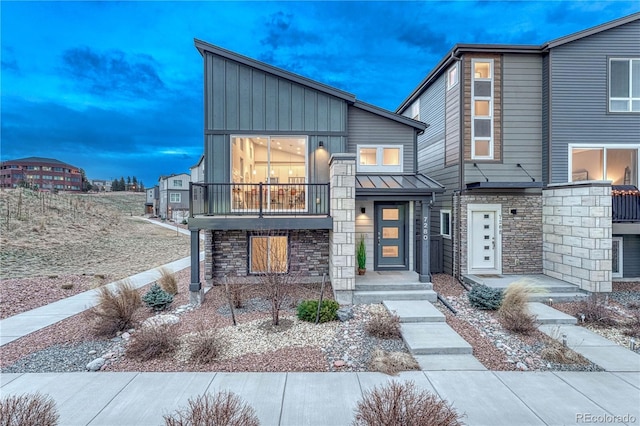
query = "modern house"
x=46 y=174
x=296 y=172
x=197 y=170
x=528 y=141
x=101 y=185
x=174 y=196
x=152 y=201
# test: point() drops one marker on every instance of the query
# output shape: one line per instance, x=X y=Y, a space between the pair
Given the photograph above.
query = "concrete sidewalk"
x=329 y=399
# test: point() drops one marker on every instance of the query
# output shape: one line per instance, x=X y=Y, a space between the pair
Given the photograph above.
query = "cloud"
x=112 y=73
x=9 y=62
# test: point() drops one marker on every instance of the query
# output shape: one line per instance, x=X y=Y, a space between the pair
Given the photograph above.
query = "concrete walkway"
x=329 y=399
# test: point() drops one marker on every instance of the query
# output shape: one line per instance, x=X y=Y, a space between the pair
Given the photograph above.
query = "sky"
x=116 y=87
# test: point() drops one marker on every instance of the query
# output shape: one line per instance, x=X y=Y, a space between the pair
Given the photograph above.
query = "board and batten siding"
x=579 y=96
x=630 y=255
x=521 y=123
x=366 y=128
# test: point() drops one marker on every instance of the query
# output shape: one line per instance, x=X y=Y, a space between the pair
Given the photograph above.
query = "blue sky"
x=116 y=87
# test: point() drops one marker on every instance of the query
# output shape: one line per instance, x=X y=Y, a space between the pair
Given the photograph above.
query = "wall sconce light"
x=363 y=210
x=320 y=144
x=514 y=211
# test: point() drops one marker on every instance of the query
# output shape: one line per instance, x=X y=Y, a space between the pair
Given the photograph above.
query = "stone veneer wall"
x=521 y=232
x=342 y=247
x=227 y=253
x=577 y=234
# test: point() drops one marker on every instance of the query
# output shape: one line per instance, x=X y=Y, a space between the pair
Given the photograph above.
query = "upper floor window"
x=482 y=109
x=415 y=110
x=617 y=163
x=445 y=223
x=624 y=85
x=175 y=197
x=452 y=77
x=380 y=158
x=177 y=182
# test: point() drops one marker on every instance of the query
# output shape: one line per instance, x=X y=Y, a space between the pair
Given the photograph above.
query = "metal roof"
x=400 y=184
x=504 y=185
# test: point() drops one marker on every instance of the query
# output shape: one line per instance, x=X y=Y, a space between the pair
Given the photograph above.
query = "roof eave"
x=591 y=31
x=391 y=115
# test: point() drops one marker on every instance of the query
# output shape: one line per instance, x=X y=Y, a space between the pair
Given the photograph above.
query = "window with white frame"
x=482 y=109
x=624 y=85
x=175 y=197
x=380 y=158
x=177 y=183
x=268 y=254
x=452 y=77
x=415 y=110
x=617 y=163
x=445 y=223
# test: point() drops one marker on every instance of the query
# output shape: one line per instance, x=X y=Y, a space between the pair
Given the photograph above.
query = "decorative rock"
x=158 y=320
x=339 y=363
x=522 y=366
x=126 y=336
x=108 y=355
x=96 y=364
x=93 y=352
x=345 y=314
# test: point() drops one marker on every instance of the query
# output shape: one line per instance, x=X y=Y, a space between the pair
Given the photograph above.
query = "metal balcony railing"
x=259 y=199
x=625 y=203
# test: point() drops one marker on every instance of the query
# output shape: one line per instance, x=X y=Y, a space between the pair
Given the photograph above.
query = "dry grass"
x=514 y=314
x=402 y=404
x=168 y=281
x=115 y=309
x=595 y=311
x=384 y=325
x=223 y=408
x=204 y=345
x=153 y=342
x=392 y=363
x=28 y=410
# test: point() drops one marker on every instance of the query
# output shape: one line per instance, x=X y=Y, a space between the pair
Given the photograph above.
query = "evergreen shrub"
x=156 y=298
x=308 y=309
x=483 y=297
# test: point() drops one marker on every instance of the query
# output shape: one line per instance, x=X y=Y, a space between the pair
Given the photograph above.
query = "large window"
x=617 y=163
x=482 y=109
x=445 y=223
x=177 y=183
x=380 y=158
x=174 y=197
x=268 y=254
x=624 y=85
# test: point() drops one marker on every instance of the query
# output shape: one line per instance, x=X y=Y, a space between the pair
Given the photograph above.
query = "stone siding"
x=577 y=234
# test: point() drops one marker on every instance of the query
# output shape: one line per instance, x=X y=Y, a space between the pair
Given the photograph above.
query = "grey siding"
x=366 y=128
x=545 y=120
x=578 y=85
x=630 y=256
x=521 y=123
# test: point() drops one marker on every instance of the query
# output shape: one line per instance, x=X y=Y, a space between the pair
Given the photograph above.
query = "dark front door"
x=391 y=236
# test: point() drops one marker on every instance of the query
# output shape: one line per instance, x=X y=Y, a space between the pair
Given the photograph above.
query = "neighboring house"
x=197 y=170
x=174 y=196
x=46 y=174
x=296 y=165
x=152 y=201
x=512 y=129
x=101 y=185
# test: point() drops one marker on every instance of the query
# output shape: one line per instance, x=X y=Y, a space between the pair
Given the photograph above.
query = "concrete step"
x=558 y=297
x=434 y=338
x=414 y=310
x=463 y=362
x=547 y=315
x=393 y=286
x=365 y=297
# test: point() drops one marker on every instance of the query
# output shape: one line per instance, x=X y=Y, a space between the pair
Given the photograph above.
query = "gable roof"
x=454 y=54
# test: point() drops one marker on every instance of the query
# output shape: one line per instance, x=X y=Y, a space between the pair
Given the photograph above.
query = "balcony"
x=625 y=203
x=259 y=200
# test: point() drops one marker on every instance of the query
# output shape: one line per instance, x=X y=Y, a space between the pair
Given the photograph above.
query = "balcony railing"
x=259 y=199
x=625 y=203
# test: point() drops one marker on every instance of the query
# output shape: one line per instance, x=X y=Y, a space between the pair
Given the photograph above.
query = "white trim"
x=379 y=167
x=455 y=68
x=619 y=274
x=415 y=110
x=489 y=98
x=497 y=209
x=445 y=211
x=630 y=99
x=171 y=200
x=604 y=146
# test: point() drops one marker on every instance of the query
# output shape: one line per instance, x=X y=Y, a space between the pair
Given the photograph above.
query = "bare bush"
x=28 y=410
x=115 y=309
x=392 y=363
x=402 y=404
x=384 y=325
x=168 y=281
x=514 y=314
x=223 y=408
x=204 y=345
x=594 y=308
x=154 y=341
x=556 y=352
x=632 y=328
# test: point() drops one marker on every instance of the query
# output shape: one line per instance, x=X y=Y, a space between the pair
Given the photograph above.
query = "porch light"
x=320 y=144
x=363 y=210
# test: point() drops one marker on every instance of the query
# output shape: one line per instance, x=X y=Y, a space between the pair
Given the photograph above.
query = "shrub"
x=204 y=346
x=223 y=408
x=632 y=328
x=399 y=404
x=168 y=281
x=594 y=309
x=383 y=325
x=513 y=313
x=156 y=298
x=115 y=309
x=28 y=410
x=308 y=309
x=483 y=297
x=153 y=341
x=392 y=363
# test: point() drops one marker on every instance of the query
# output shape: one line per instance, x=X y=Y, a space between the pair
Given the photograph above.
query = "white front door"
x=484 y=242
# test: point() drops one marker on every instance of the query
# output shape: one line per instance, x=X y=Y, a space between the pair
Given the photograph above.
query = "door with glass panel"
x=391 y=236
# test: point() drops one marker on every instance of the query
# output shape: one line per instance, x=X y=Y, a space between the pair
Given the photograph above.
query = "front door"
x=484 y=240
x=391 y=236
